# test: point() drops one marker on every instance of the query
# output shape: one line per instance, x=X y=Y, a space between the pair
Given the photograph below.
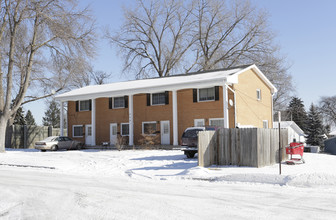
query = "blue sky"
x=305 y=29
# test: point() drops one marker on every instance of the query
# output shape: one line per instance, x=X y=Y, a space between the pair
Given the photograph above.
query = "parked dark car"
x=55 y=143
x=189 y=140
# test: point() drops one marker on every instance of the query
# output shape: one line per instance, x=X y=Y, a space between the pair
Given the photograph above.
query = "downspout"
x=234 y=99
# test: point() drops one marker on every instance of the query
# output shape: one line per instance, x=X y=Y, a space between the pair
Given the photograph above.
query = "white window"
x=207 y=94
x=265 y=123
x=119 y=102
x=114 y=129
x=149 y=127
x=199 y=123
x=258 y=94
x=218 y=122
x=158 y=98
x=165 y=129
x=84 y=105
x=77 y=131
x=124 y=129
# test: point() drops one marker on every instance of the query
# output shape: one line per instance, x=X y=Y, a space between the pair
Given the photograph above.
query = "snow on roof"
x=332 y=133
x=287 y=124
x=196 y=80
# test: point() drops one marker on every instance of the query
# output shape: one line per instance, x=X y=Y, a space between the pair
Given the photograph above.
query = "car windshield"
x=192 y=133
x=48 y=139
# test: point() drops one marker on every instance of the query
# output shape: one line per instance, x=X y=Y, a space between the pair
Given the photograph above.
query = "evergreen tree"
x=315 y=129
x=297 y=113
x=30 y=118
x=19 y=117
x=52 y=115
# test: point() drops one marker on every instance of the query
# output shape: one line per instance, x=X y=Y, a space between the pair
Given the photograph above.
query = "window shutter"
x=90 y=104
x=194 y=95
x=126 y=101
x=148 y=99
x=110 y=103
x=167 y=97
x=77 y=106
x=216 y=93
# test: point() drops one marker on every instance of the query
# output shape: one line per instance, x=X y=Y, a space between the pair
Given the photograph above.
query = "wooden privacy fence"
x=255 y=147
x=23 y=136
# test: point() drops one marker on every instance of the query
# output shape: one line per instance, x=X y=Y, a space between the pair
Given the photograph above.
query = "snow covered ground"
x=158 y=184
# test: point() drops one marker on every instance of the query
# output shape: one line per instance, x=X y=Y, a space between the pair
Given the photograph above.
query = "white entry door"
x=113 y=133
x=88 y=134
x=165 y=132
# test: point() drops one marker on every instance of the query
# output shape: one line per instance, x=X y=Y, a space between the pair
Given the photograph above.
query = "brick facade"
x=249 y=110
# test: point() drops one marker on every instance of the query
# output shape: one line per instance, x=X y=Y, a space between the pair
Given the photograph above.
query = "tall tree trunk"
x=3 y=125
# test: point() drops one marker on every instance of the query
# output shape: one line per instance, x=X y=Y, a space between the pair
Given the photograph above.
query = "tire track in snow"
x=5 y=212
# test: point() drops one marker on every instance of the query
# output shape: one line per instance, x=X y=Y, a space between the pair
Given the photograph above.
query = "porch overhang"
x=132 y=91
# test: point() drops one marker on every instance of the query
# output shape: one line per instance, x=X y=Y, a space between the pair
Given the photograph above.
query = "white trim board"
x=148 y=122
x=73 y=131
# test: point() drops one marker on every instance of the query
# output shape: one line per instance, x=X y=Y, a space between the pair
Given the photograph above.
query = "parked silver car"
x=55 y=143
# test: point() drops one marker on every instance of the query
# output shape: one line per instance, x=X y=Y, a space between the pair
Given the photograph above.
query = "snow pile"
x=92 y=184
x=172 y=165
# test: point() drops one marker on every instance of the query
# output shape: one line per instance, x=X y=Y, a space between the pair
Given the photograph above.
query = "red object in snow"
x=295 y=148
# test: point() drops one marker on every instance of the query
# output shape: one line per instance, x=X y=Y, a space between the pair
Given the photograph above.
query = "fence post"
x=233 y=146
x=206 y=148
x=9 y=134
x=284 y=143
x=50 y=131
x=25 y=136
x=254 y=146
x=14 y=137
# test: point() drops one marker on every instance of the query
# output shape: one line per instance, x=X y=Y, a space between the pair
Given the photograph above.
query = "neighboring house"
x=167 y=106
x=330 y=145
x=294 y=131
x=332 y=134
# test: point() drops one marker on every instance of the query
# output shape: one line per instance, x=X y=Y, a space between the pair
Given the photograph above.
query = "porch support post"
x=62 y=119
x=225 y=106
x=93 y=121
x=130 y=120
x=175 y=122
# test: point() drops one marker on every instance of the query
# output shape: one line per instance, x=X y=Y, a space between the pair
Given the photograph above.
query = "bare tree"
x=155 y=37
x=327 y=107
x=87 y=76
x=35 y=37
x=164 y=37
x=76 y=70
x=233 y=33
x=99 y=77
x=230 y=33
